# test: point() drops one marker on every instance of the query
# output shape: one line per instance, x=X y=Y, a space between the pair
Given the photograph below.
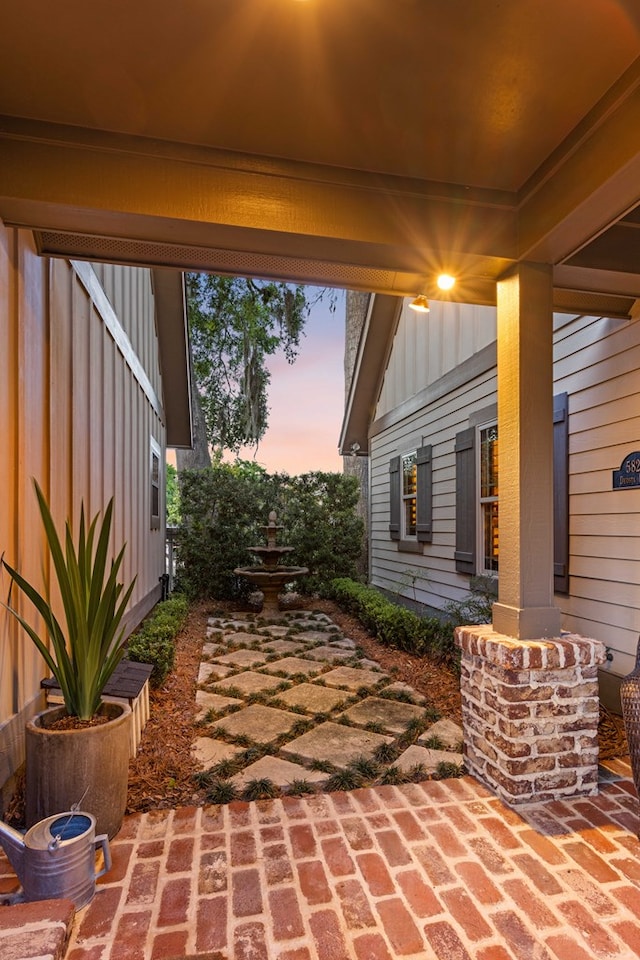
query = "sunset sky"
x=306 y=399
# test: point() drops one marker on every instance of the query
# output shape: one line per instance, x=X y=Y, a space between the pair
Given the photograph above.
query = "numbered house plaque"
x=629 y=473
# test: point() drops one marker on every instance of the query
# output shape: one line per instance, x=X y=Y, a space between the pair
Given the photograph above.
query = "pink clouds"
x=306 y=400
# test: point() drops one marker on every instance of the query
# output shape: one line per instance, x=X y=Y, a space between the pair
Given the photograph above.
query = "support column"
x=530 y=704
x=530 y=712
x=525 y=607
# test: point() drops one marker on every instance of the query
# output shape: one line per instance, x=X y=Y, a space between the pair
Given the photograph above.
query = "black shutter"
x=561 y=493
x=394 y=494
x=424 y=525
x=465 y=553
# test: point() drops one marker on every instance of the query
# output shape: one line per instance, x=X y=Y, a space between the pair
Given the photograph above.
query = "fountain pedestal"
x=268 y=576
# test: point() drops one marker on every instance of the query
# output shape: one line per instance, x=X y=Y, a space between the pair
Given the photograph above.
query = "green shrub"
x=154 y=641
x=224 y=512
x=394 y=625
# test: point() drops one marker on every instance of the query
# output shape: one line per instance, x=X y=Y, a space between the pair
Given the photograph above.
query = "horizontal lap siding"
x=74 y=417
x=437 y=425
x=597 y=361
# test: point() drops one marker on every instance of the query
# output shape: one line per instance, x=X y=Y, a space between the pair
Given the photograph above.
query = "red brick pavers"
x=436 y=871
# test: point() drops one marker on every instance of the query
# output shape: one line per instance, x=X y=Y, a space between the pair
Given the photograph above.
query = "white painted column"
x=525 y=608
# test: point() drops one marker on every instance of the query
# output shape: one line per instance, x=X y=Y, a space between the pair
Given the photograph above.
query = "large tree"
x=235 y=324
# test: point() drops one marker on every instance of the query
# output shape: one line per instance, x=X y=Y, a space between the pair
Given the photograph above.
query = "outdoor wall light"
x=420 y=304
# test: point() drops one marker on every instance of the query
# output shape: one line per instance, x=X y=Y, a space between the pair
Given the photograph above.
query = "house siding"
x=75 y=416
x=597 y=362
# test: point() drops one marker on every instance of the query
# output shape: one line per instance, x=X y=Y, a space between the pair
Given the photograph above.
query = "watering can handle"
x=103 y=841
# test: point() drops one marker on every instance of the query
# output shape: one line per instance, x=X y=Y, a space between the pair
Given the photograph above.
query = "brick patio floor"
x=433 y=870
x=438 y=870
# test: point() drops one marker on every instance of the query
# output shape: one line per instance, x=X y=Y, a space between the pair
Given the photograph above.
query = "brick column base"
x=530 y=713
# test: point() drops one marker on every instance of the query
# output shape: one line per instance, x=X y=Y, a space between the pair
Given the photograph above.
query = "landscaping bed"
x=162 y=775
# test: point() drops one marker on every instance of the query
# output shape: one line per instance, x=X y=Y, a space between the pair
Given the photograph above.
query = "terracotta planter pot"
x=88 y=767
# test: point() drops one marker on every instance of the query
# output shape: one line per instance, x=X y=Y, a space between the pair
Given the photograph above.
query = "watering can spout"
x=12 y=842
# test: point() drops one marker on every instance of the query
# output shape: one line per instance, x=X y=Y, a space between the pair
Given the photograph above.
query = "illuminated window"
x=488 y=475
x=409 y=495
x=155 y=479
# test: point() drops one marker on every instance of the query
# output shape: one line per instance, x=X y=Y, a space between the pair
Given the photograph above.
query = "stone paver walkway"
x=290 y=705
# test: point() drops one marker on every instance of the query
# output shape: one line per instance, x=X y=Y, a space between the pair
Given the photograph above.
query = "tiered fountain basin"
x=269 y=576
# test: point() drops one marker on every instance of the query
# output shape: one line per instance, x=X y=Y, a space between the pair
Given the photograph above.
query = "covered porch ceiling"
x=366 y=144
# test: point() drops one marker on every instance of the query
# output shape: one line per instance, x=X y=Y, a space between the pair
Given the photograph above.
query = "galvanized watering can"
x=56 y=858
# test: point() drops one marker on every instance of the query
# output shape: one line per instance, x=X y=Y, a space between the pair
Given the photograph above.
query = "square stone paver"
x=275 y=630
x=211 y=649
x=206 y=701
x=447 y=731
x=401 y=687
x=240 y=636
x=313 y=698
x=336 y=743
x=283 y=646
x=352 y=678
x=242 y=658
x=205 y=672
x=217 y=672
x=281 y=772
x=208 y=752
x=329 y=653
x=261 y=724
x=393 y=715
x=250 y=682
x=344 y=643
x=292 y=665
x=314 y=635
x=429 y=759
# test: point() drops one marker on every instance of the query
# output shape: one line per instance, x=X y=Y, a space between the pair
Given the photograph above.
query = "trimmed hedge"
x=154 y=641
x=394 y=625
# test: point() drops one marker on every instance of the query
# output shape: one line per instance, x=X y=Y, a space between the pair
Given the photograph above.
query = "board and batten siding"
x=78 y=411
x=597 y=362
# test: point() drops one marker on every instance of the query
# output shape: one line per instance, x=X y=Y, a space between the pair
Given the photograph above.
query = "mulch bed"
x=161 y=775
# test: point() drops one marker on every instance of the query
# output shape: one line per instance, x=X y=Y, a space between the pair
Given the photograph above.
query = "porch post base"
x=530 y=712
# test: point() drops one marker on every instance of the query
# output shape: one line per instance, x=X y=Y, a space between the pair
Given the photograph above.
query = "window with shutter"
x=410 y=491
x=394 y=502
x=477 y=526
x=465 y=450
x=561 y=493
x=424 y=524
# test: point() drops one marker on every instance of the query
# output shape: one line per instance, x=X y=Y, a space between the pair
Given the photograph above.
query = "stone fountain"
x=268 y=576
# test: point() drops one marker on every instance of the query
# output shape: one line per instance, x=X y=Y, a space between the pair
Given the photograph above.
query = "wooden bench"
x=129 y=683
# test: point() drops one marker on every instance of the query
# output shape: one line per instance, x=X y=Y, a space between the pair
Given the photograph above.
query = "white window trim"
x=155 y=520
x=404 y=535
x=481 y=569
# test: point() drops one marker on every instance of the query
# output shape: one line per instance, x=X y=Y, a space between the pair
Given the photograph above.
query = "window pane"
x=409 y=475
x=410 y=517
x=489 y=462
x=490 y=535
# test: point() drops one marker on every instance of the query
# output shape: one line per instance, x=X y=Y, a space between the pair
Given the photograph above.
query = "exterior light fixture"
x=445 y=281
x=420 y=304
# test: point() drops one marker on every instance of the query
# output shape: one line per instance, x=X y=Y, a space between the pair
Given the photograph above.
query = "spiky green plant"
x=85 y=652
x=261 y=788
x=348 y=779
x=221 y=791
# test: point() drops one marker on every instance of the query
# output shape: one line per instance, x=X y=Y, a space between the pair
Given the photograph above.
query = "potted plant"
x=78 y=754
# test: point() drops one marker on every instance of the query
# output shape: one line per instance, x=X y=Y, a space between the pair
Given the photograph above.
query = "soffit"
x=356 y=142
